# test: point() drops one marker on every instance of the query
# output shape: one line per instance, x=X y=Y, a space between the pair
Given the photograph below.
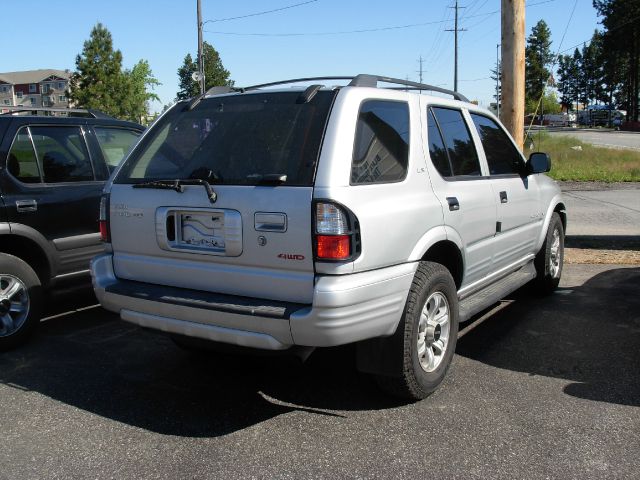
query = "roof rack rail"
x=366 y=80
x=87 y=112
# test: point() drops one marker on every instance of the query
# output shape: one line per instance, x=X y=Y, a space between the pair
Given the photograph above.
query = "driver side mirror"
x=538 y=163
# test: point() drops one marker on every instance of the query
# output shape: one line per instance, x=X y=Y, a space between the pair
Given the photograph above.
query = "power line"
x=259 y=13
x=363 y=30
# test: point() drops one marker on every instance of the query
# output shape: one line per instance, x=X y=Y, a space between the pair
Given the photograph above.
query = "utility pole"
x=455 y=31
x=420 y=71
x=513 y=68
x=200 y=57
x=498 y=78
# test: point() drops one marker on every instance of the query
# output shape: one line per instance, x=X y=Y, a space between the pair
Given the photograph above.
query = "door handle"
x=26 y=205
x=503 y=197
x=454 y=205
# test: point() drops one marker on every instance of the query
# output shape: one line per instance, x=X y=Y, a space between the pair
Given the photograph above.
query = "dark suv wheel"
x=20 y=301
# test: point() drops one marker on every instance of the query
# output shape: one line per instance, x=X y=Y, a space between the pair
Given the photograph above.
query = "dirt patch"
x=600 y=256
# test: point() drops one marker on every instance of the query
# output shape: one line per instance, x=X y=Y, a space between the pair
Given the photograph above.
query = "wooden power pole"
x=512 y=112
x=200 y=56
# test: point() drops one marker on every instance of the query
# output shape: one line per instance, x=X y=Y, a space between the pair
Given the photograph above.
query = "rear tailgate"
x=254 y=241
x=254 y=238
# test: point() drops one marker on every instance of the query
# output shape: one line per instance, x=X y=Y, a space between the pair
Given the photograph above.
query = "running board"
x=496 y=291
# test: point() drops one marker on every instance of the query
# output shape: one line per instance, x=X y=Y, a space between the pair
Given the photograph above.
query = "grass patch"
x=587 y=163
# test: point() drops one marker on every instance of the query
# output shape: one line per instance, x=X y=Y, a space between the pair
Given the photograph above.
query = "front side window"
x=62 y=154
x=115 y=143
x=381 y=149
x=502 y=156
x=244 y=139
x=458 y=142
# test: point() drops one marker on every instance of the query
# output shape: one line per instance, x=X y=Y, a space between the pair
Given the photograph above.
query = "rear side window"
x=115 y=143
x=461 y=150
x=50 y=155
x=381 y=149
x=235 y=140
x=503 y=158
x=22 y=162
x=437 y=150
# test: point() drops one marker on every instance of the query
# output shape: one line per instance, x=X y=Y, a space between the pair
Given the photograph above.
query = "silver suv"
x=320 y=216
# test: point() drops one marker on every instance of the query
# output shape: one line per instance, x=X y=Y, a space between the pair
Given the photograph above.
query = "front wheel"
x=430 y=328
x=20 y=301
x=550 y=258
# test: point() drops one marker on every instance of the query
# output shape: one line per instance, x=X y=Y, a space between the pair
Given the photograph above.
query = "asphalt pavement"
x=599 y=136
x=546 y=388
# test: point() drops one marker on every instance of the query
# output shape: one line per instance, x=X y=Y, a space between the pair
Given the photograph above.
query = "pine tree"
x=537 y=57
x=622 y=41
x=98 y=80
x=214 y=73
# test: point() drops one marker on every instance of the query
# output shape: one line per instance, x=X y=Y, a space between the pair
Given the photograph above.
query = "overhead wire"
x=259 y=13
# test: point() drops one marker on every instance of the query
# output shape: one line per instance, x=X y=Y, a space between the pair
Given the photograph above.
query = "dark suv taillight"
x=336 y=235
x=103 y=219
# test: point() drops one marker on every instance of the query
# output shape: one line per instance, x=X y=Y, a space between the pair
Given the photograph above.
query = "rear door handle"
x=454 y=205
x=26 y=205
x=503 y=197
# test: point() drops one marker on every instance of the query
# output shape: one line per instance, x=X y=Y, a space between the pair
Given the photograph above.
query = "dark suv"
x=52 y=172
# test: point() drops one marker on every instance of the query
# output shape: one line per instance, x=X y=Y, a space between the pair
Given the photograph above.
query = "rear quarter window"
x=381 y=146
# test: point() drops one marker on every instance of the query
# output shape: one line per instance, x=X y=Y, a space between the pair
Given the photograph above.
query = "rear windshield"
x=234 y=140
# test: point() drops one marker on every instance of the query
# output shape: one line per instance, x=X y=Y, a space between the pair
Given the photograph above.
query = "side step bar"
x=496 y=291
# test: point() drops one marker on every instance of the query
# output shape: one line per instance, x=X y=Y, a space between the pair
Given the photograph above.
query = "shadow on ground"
x=589 y=335
x=605 y=242
x=91 y=360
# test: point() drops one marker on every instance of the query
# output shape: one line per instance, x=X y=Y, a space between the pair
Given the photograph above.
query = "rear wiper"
x=268 y=178
x=177 y=185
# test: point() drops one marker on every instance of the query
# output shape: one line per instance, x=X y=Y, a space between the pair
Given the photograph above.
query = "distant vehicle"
x=52 y=172
x=559 y=119
x=601 y=116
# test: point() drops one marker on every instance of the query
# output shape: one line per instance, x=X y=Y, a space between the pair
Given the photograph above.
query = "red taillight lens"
x=103 y=219
x=333 y=247
x=104 y=231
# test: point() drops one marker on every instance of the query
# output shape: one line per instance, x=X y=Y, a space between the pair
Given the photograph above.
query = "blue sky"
x=304 y=40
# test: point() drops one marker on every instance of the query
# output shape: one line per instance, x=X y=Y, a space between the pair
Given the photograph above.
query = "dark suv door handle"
x=503 y=197
x=453 y=203
x=26 y=205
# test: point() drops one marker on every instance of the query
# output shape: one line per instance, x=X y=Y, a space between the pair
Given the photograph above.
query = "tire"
x=550 y=258
x=20 y=301
x=429 y=341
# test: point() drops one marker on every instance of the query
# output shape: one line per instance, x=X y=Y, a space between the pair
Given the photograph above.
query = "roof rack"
x=78 y=112
x=365 y=80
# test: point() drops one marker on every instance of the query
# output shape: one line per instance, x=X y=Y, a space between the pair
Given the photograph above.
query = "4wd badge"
x=290 y=256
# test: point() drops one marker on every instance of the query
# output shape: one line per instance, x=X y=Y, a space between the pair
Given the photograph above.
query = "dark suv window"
x=60 y=155
x=381 y=150
x=115 y=143
x=235 y=140
x=502 y=157
x=457 y=141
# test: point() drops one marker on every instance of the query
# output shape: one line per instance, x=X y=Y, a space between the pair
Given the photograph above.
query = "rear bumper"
x=345 y=309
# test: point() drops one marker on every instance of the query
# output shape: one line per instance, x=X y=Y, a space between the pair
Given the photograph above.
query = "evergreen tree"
x=98 y=80
x=100 y=83
x=537 y=57
x=622 y=41
x=214 y=73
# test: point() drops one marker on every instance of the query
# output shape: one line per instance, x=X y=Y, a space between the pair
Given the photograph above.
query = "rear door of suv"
x=249 y=234
x=52 y=185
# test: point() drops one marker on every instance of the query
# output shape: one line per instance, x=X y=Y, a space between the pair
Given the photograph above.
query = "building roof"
x=32 y=76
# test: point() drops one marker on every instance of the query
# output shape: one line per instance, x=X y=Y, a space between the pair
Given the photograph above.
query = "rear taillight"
x=336 y=233
x=103 y=219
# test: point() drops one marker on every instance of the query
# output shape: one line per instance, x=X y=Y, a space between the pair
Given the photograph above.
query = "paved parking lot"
x=543 y=389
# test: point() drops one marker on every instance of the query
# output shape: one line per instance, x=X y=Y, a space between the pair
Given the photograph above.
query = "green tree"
x=214 y=73
x=98 y=81
x=537 y=57
x=139 y=80
x=622 y=41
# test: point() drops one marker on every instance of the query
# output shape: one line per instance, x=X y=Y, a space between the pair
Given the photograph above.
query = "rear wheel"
x=20 y=301
x=430 y=328
x=550 y=258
